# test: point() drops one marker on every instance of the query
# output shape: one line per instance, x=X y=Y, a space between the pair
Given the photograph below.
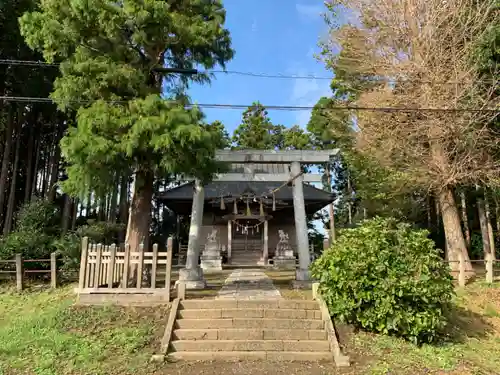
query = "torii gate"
x=192 y=274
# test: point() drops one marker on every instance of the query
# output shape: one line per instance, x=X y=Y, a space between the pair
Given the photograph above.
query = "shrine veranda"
x=253 y=215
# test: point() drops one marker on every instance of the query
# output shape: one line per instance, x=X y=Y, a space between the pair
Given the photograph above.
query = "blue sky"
x=269 y=36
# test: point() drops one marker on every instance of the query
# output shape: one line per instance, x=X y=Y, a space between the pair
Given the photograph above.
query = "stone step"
x=197 y=304
x=249 y=313
x=250 y=345
x=252 y=356
x=246 y=255
x=249 y=334
x=250 y=323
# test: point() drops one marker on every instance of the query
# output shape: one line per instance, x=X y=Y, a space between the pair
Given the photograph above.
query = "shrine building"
x=253 y=215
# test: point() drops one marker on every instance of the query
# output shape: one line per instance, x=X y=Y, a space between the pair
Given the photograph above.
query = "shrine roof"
x=217 y=189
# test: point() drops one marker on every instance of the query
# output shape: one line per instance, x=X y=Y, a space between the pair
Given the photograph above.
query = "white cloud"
x=309 y=11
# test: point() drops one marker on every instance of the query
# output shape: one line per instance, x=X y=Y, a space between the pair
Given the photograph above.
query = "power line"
x=25 y=99
x=254 y=74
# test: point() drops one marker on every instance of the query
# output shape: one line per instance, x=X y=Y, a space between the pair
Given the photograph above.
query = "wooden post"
x=90 y=266
x=19 y=273
x=461 y=268
x=126 y=265
x=140 y=266
x=181 y=290
x=265 y=254
x=97 y=270
x=489 y=267
x=168 y=270
x=111 y=265
x=82 y=282
x=53 y=270
x=229 y=239
x=154 y=265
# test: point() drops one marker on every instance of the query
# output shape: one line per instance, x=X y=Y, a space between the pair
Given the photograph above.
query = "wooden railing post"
x=97 y=270
x=140 y=266
x=461 y=270
x=154 y=265
x=181 y=290
x=126 y=265
x=489 y=267
x=111 y=265
x=82 y=281
x=53 y=270
x=168 y=268
x=19 y=273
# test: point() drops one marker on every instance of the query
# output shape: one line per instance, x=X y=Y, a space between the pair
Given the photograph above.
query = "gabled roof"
x=216 y=189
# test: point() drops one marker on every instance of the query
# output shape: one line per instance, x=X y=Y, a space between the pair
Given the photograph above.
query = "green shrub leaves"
x=386 y=277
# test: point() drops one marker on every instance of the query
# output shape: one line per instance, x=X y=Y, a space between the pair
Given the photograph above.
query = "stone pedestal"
x=211 y=263
x=302 y=279
x=284 y=257
x=192 y=278
x=211 y=259
x=284 y=263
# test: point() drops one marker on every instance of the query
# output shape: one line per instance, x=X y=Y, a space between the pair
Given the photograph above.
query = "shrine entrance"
x=247 y=242
x=254 y=214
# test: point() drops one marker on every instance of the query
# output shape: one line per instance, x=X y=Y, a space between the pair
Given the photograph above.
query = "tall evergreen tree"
x=112 y=55
x=256 y=130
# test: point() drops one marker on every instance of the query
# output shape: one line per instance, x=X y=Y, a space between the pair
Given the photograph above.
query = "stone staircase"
x=249 y=330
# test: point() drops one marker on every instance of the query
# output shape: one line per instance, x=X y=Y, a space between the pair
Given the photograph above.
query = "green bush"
x=386 y=277
x=37 y=234
x=36 y=224
x=38 y=215
x=69 y=249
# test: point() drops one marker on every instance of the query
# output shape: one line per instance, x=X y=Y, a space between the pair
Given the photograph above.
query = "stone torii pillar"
x=192 y=274
x=299 y=209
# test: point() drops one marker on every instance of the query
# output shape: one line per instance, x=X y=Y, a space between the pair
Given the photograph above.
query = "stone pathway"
x=248 y=284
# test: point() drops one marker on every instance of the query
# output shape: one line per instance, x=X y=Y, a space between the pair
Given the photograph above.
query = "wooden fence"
x=109 y=269
x=20 y=271
x=490 y=263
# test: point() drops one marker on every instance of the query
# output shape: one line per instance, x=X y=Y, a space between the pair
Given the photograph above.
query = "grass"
x=473 y=346
x=43 y=333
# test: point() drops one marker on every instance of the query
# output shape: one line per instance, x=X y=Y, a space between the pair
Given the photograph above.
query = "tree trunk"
x=349 y=205
x=89 y=205
x=497 y=215
x=113 y=204
x=4 y=173
x=429 y=212
x=139 y=220
x=29 y=168
x=75 y=213
x=455 y=242
x=483 y=222
x=491 y=235
x=54 y=171
x=438 y=216
x=465 y=219
x=66 y=214
x=12 y=195
x=123 y=204
x=331 y=209
x=101 y=215
x=34 y=185
x=45 y=175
